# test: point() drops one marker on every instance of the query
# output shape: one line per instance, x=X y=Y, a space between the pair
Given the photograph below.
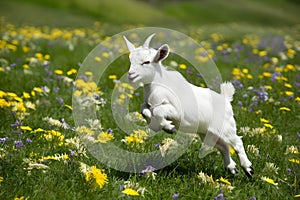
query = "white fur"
x=172 y=103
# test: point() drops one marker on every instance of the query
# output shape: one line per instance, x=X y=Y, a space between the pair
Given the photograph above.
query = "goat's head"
x=145 y=62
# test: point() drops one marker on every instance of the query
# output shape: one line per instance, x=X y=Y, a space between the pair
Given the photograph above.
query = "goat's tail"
x=227 y=90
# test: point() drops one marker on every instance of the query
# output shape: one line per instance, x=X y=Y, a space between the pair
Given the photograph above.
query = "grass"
x=264 y=60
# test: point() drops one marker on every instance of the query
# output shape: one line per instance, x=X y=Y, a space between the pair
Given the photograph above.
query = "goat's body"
x=194 y=108
x=171 y=103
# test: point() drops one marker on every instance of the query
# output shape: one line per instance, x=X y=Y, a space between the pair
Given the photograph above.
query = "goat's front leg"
x=145 y=111
x=161 y=118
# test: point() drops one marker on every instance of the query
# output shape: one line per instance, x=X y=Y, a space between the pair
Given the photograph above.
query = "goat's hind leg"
x=237 y=144
x=228 y=162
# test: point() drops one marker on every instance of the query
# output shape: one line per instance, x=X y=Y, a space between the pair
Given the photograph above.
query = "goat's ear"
x=129 y=45
x=162 y=53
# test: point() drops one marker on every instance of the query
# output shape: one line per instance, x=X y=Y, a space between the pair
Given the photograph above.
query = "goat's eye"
x=146 y=63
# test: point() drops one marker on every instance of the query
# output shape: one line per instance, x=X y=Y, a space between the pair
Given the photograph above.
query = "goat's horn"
x=129 y=45
x=148 y=40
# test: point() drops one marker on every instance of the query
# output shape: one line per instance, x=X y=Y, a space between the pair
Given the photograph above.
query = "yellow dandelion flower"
x=38 y=130
x=98 y=175
x=291 y=53
x=290 y=67
x=285 y=109
x=245 y=70
x=255 y=51
x=39 y=56
x=268 y=126
x=262 y=53
x=26 y=95
x=58 y=72
x=47 y=57
x=98 y=59
x=297 y=99
x=77 y=93
x=71 y=71
x=274 y=60
x=21 y=198
x=88 y=73
x=112 y=77
x=223 y=180
x=264 y=120
x=105 y=54
x=278 y=69
x=268 y=87
x=289 y=93
x=266 y=74
x=37 y=89
x=104 y=137
x=288 y=85
x=297 y=195
x=182 y=66
x=68 y=106
x=25 y=128
x=130 y=192
x=231 y=150
x=269 y=180
x=26 y=66
x=219 y=48
x=293 y=160
x=1 y=179
x=249 y=76
x=25 y=49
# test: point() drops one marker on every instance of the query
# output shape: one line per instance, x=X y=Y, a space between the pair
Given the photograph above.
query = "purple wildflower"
x=17 y=123
x=28 y=140
x=4 y=140
x=289 y=171
x=237 y=84
x=252 y=198
x=83 y=77
x=274 y=75
x=65 y=124
x=72 y=153
x=189 y=70
x=121 y=187
x=56 y=89
x=220 y=196
x=298 y=135
x=60 y=100
x=148 y=169
x=199 y=75
x=175 y=196
x=240 y=103
x=110 y=131
x=19 y=144
x=45 y=89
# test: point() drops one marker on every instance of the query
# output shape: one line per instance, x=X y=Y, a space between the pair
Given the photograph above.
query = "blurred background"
x=178 y=14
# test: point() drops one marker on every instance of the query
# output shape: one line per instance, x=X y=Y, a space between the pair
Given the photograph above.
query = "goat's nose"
x=130 y=73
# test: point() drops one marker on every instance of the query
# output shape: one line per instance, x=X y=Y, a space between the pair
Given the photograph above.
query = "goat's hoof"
x=249 y=171
x=234 y=171
x=171 y=131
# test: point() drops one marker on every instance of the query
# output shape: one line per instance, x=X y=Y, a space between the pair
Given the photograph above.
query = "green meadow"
x=255 y=45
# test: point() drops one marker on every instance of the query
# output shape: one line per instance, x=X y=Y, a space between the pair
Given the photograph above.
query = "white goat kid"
x=172 y=103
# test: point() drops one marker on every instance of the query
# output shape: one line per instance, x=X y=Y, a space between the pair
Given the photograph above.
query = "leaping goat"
x=171 y=103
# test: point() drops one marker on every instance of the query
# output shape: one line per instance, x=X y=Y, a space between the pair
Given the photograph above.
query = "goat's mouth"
x=132 y=77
